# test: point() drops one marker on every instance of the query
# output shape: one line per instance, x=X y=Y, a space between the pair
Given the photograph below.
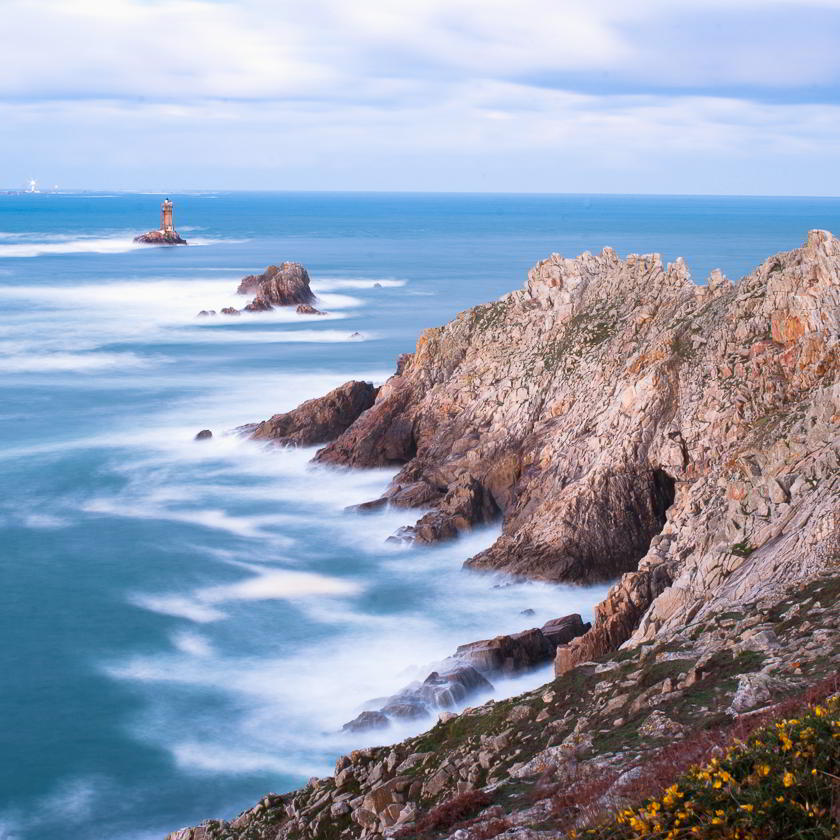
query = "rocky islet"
x=286 y=284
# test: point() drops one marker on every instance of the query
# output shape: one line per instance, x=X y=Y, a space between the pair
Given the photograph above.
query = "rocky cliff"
x=620 y=421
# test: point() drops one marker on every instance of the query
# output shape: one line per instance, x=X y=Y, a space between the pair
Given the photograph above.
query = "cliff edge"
x=620 y=421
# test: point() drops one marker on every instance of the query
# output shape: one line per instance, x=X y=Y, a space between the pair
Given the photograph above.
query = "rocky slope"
x=620 y=421
x=587 y=736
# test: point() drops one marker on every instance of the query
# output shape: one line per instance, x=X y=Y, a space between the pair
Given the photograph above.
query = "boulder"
x=522 y=651
x=229 y=310
x=306 y=309
x=204 y=434
x=560 y=631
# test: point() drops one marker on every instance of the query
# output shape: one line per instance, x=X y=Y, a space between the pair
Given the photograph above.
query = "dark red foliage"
x=445 y=815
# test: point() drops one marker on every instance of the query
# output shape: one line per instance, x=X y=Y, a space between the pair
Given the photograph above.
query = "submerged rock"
x=306 y=309
x=366 y=721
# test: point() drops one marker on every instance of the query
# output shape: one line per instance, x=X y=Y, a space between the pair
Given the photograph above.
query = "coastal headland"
x=622 y=422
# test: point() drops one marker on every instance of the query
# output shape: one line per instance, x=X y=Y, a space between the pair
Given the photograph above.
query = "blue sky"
x=653 y=96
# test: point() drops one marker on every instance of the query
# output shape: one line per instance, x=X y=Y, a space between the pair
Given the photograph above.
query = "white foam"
x=277 y=584
x=174 y=605
x=37 y=245
x=211 y=757
x=192 y=643
x=81 y=245
x=44 y=521
x=328 y=284
x=26 y=362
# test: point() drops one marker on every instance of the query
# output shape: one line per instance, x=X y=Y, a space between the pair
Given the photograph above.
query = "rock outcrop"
x=286 y=284
x=467 y=672
x=306 y=309
x=159 y=237
x=318 y=420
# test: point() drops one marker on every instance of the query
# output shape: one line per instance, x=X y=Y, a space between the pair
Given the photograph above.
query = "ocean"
x=186 y=625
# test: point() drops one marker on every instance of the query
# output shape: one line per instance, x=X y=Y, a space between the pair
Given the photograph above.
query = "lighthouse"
x=167 y=225
x=167 y=235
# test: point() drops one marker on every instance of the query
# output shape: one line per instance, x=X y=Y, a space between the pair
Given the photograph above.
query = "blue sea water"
x=185 y=626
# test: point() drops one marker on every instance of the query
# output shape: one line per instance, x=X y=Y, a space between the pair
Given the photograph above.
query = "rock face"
x=286 y=284
x=611 y=401
x=319 y=420
x=158 y=237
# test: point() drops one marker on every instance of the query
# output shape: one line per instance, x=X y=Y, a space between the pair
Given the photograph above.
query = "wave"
x=174 y=605
x=217 y=758
x=26 y=362
x=329 y=283
x=123 y=308
x=67 y=245
x=37 y=245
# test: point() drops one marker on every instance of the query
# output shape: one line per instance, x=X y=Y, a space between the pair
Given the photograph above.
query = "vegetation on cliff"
x=779 y=783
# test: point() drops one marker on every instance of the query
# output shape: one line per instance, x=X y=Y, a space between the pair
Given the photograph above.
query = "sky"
x=581 y=96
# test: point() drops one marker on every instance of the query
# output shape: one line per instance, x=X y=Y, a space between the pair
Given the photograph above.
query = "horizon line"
x=18 y=191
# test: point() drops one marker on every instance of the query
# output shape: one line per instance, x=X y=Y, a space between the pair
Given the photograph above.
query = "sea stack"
x=167 y=235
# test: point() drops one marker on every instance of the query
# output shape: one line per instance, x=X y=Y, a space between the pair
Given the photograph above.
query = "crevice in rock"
x=664 y=491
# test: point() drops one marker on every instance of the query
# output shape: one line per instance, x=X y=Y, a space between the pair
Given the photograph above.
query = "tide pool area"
x=187 y=625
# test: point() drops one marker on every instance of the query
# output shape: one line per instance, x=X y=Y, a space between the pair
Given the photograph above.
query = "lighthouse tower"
x=167 y=225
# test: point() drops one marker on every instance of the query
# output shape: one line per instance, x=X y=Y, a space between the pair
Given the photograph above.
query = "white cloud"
x=179 y=50
x=437 y=94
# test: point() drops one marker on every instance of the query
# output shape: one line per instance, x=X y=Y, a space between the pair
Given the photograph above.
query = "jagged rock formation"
x=286 y=284
x=620 y=421
x=581 y=407
x=159 y=237
x=467 y=672
x=417 y=700
x=318 y=420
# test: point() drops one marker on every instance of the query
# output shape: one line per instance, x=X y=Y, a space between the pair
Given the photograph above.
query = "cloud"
x=435 y=94
x=180 y=50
